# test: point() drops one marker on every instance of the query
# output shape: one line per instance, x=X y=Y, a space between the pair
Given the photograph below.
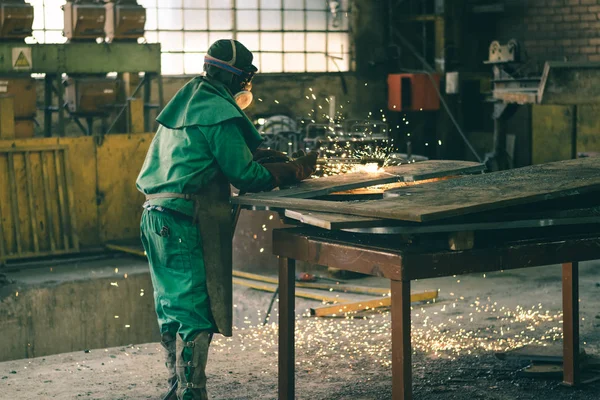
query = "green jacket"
x=204 y=143
x=202 y=132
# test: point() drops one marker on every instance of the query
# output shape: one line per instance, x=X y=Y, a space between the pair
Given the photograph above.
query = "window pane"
x=171 y=41
x=293 y=62
x=270 y=4
x=195 y=20
x=250 y=40
x=195 y=41
x=220 y=20
x=316 y=63
x=214 y=36
x=293 y=4
x=338 y=24
x=194 y=3
x=223 y=4
x=54 y=4
x=343 y=64
x=55 y=18
x=293 y=41
x=337 y=43
x=315 y=20
x=270 y=42
x=248 y=4
x=316 y=4
x=315 y=42
x=170 y=3
x=55 y=37
x=270 y=20
x=38 y=17
x=172 y=64
x=147 y=3
x=247 y=20
x=293 y=20
x=193 y=63
x=151 y=19
x=170 y=19
x=271 y=63
x=151 y=37
x=38 y=37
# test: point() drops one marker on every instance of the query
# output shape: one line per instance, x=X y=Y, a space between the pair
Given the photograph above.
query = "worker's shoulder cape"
x=205 y=103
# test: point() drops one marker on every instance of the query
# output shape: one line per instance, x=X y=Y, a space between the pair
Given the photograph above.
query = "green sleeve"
x=226 y=142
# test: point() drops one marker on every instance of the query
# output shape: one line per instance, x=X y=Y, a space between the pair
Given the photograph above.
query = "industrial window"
x=48 y=21
x=285 y=35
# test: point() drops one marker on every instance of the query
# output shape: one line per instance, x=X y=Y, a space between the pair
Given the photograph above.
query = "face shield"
x=241 y=84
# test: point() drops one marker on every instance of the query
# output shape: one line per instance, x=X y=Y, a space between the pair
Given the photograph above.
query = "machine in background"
x=17 y=119
x=98 y=74
x=562 y=83
x=98 y=96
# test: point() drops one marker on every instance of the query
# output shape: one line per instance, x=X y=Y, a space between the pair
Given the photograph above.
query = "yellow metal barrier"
x=62 y=194
x=36 y=212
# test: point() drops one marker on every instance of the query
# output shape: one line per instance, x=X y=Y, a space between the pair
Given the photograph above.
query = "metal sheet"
x=570 y=83
x=119 y=160
x=401 y=173
x=463 y=196
x=351 y=223
x=82 y=156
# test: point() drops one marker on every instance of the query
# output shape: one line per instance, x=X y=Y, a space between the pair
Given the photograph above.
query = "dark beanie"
x=223 y=50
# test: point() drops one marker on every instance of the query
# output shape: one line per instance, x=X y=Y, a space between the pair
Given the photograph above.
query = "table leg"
x=570 y=292
x=401 y=349
x=287 y=315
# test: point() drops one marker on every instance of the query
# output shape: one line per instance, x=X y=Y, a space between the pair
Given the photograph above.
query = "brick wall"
x=553 y=29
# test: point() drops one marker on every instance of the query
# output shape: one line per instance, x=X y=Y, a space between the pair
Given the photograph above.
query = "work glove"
x=298 y=154
x=293 y=171
x=265 y=156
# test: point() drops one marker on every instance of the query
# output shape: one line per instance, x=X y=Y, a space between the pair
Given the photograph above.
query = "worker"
x=203 y=144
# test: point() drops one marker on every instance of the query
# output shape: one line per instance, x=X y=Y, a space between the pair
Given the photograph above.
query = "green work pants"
x=174 y=249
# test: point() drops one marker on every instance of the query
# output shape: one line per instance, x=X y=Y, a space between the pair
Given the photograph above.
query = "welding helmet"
x=230 y=62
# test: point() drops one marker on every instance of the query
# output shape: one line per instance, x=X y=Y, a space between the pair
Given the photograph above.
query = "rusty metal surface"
x=287 y=321
x=387 y=257
x=570 y=293
x=569 y=83
x=288 y=243
x=401 y=264
x=401 y=347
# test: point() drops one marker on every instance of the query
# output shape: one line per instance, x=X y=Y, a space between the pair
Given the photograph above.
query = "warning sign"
x=21 y=58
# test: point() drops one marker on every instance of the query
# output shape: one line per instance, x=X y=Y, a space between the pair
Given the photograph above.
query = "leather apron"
x=212 y=214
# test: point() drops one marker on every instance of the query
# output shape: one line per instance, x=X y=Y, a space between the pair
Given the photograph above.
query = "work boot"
x=191 y=365
x=168 y=342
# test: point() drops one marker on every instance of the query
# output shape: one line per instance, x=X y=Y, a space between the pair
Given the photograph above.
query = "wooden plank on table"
x=400 y=173
x=468 y=195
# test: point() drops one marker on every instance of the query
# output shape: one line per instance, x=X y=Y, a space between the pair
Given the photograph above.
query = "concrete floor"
x=454 y=341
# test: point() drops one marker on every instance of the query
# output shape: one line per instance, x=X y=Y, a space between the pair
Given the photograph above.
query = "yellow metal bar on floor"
x=320 y=286
x=304 y=295
x=341 y=309
x=127 y=249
